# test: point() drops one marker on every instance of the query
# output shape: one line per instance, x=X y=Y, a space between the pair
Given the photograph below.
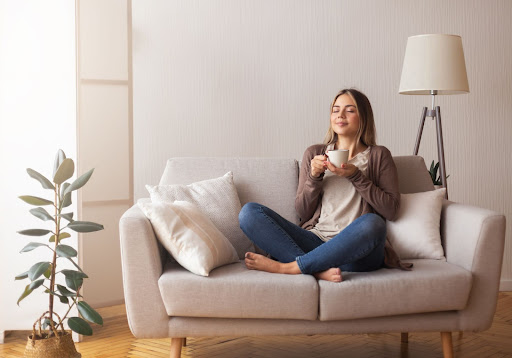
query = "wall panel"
x=104 y=138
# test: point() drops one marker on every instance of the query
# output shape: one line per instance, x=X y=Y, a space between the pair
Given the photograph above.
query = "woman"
x=342 y=210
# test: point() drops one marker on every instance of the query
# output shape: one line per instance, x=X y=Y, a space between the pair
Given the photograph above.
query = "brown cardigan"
x=379 y=193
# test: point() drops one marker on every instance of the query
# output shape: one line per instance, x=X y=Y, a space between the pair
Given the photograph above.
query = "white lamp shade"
x=434 y=62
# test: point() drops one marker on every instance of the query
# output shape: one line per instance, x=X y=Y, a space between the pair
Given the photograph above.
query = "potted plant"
x=436 y=179
x=50 y=339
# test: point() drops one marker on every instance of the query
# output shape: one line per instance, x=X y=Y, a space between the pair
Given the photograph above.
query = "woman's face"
x=344 y=117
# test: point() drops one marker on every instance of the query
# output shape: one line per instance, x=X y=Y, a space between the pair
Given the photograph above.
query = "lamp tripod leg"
x=440 y=150
x=420 y=131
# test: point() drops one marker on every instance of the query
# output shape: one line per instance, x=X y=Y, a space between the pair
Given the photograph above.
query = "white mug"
x=338 y=157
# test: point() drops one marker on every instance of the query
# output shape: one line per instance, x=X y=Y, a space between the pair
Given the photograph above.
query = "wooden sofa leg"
x=446 y=338
x=404 y=337
x=176 y=344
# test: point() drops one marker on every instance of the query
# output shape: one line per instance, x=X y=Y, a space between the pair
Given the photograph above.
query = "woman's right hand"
x=318 y=166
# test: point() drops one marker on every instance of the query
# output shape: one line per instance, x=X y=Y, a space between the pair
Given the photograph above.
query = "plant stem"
x=70 y=307
x=54 y=264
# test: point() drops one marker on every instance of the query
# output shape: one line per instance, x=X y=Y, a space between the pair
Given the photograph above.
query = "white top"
x=341 y=203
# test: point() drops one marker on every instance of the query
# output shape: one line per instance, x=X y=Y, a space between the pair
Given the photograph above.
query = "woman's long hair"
x=366 y=133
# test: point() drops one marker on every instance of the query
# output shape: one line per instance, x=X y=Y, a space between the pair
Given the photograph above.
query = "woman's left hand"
x=346 y=170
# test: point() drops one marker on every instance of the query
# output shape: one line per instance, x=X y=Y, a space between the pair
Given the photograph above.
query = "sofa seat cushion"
x=233 y=291
x=431 y=286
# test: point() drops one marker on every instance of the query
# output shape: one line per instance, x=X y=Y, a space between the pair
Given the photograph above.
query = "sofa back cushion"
x=269 y=181
x=413 y=176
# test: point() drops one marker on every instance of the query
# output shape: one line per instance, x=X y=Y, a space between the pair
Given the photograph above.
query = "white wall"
x=37 y=117
x=255 y=78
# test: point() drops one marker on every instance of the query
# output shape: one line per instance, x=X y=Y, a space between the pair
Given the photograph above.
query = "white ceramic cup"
x=338 y=157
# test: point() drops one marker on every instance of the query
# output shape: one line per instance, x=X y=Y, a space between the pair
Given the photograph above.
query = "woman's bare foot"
x=332 y=274
x=262 y=263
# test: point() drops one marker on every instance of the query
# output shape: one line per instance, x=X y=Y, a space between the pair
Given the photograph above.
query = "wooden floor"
x=115 y=340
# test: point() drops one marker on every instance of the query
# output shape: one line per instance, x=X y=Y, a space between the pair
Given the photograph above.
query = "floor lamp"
x=434 y=65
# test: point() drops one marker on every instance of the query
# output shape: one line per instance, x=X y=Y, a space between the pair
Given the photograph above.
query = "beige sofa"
x=165 y=300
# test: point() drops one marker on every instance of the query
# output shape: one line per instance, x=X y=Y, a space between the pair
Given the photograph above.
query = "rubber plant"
x=43 y=275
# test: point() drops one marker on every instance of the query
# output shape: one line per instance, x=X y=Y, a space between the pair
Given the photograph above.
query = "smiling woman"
x=342 y=209
x=350 y=105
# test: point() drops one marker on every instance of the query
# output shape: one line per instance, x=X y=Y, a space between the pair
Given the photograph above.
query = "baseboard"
x=107 y=303
x=506 y=285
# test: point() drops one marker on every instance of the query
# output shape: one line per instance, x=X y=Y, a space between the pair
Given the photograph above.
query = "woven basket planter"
x=61 y=346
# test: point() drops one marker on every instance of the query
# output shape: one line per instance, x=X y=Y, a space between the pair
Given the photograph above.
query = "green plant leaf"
x=25 y=293
x=40 y=178
x=31 y=246
x=74 y=274
x=74 y=283
x=65 y=171
x=84 y=226
x=89 y=313
x=48 y=272
x=74 y=279
x=21 y=276
x=66 y=251
x=63 y=188
x=64 y=235
x=34 y=232
x=41 y=214
x=64 y=300
x=79 y=326
x=67 y=216
x=36 y=284
x=37 y=270
x=34 y=200
x=59 y=158
x=80 y=182
x=66 y=201
x=65 y=292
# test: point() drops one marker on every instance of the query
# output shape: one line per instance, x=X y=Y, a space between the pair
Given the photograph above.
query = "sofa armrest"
x=474 y=238
x=142 y=267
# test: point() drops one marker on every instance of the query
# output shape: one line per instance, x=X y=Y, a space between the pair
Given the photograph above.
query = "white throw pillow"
x=416 y=234
x=189 y=236
x=217 y=198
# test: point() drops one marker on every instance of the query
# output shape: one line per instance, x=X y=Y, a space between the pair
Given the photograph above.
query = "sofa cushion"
x=217 y=198
x=269 y=181
x=432 y=285
x=413 y=176
x=233 y=291
x=415 y=233
x=189 y=236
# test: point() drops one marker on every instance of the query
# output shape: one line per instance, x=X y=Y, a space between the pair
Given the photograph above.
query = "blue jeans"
x=358 y=248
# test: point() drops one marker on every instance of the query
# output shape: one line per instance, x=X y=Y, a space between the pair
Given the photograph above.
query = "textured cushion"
x=233 y=291
x=413 y=176
x=217 y=198
x=189 y=236
x=432 y=286
x=269 y=181
x=415 y=234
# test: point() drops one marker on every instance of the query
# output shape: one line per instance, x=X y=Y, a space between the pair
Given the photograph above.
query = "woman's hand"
x=346 y=170
x=318 y=165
